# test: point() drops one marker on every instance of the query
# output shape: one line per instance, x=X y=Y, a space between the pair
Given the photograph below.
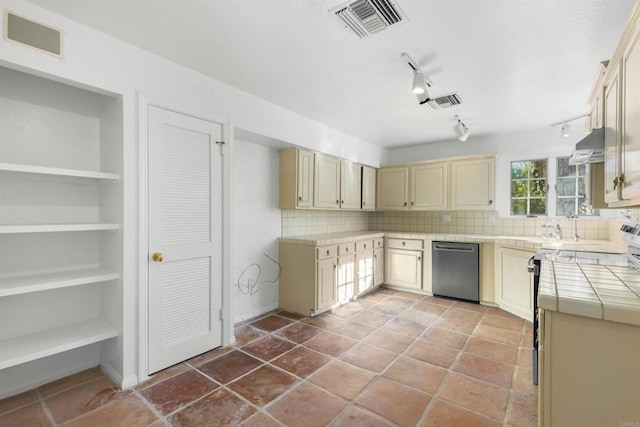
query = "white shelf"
x=47 y=228
x=15 y=351
x=44 y=282
x=43 y=170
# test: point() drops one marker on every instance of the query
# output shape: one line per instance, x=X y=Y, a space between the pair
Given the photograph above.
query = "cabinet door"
x=393 y=188
x=473 y=184
x=326 y=284
x=630 y=156
x=326 y=182
x=305 y=179
x=368 y=188
x=378 y=266
x=515 y=283
x=364 y=271
x=346 y=278
x=350 y=185
x=429 y=186
x=612 y=116
x=403 y=268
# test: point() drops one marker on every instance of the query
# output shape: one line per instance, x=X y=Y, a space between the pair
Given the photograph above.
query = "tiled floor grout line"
x=45 y=407
x=151 y=407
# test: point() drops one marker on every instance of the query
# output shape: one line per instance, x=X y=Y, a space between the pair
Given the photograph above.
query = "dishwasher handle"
x=453 y=247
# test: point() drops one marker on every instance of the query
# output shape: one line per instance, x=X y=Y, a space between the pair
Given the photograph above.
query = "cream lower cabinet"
x=378 y=267
x=589 y=372
x=326 y=280
x=308 y=278
x=514 y=284
x=403 y=263
x=314 y=279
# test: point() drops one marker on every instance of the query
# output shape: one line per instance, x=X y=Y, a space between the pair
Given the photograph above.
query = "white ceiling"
x=518 y=65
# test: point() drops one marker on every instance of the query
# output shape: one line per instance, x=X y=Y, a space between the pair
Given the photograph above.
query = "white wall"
x=546 y=140
x=101 y=63
x=255 y=230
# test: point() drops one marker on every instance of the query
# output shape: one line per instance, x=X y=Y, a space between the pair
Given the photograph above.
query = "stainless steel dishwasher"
x=455 y=269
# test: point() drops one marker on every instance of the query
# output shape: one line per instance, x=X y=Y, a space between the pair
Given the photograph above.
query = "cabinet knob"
x=300 y=198
x=337 y=202
x=365 y=246
x=327 y=253
x=411 y=203
x=490 y=202
x=157 y=257
x=405 y=203
x=419 y=258
x=404 y=243
x=364 y=203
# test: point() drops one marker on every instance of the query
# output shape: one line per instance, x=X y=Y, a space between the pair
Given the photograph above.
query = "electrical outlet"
x=491 y=219
x=446 y=218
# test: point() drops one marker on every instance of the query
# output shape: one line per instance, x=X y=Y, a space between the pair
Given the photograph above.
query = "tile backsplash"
x=303 y=222
x=479 y=222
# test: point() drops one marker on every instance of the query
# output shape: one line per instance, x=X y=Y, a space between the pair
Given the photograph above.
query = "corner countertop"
x=525 y=242
x=597 y=291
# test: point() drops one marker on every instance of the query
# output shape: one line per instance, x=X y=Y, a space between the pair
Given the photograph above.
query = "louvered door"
x=184 y=237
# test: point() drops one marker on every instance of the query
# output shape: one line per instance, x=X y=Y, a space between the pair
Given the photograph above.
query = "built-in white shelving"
x=43 y=170
x=44 y=282
x=25 y=348
x=52 y=228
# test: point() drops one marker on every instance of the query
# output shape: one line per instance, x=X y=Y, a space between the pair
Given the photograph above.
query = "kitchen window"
x=570 y=188
x=529 y=187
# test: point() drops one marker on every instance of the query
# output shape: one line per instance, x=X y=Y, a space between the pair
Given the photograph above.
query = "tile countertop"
x=597 y=291
x=527 y=242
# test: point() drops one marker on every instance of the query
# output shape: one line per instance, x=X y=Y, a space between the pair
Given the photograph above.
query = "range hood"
x=589 y=149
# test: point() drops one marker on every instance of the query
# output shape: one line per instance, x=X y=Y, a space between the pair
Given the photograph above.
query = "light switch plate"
x=491 y=219
x=446 y=218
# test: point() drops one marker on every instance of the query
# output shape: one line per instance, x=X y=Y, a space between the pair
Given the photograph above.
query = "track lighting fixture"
x=565 y=132
x=461 y=130
x=421 y=82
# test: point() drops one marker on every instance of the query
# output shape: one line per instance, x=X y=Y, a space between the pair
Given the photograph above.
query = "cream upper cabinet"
x=368 y=188
x=350 y=185
x=630 y=138
x=393 y=188
x=326 y=182
x=428 y=186
x=596 y=101
x=296 y=179
x=473 y=184
x=612 y=135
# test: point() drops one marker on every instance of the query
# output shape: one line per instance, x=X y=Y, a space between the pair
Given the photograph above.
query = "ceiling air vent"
x=366 y=17
x=444 y=101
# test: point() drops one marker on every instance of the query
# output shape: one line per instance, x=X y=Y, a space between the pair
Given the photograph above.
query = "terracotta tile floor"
x=389 y=358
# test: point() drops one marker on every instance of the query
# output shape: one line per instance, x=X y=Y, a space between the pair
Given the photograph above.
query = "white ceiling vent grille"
x=445 y=101
x=366 y=17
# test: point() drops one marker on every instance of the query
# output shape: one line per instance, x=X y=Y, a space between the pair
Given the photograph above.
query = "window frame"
x=528 y=180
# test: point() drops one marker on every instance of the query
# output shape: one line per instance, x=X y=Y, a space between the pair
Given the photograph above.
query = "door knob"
x=157 y=257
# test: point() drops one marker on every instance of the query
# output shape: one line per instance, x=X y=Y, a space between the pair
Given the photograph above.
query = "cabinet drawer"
x=346 y=248
x=325 y=252
x=363 y=245
x=378 y=243
x=404 y=244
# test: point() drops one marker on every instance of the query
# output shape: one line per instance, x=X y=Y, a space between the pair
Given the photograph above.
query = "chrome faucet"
x=558 y=232
x=575 y=226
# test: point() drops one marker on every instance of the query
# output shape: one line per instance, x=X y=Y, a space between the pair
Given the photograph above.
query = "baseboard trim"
x=255 y=313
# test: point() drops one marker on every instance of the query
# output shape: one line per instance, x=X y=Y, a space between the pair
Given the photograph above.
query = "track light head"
x=419 y=82
x=566 y=130
x=461 y=130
